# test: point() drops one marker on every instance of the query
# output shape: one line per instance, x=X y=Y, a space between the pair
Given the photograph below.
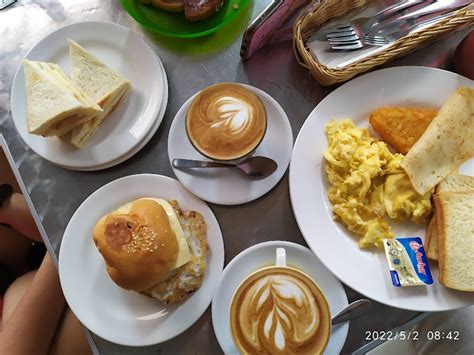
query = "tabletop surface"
x=190 y=65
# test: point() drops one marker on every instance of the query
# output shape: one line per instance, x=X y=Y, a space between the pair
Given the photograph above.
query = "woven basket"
x=311 y=21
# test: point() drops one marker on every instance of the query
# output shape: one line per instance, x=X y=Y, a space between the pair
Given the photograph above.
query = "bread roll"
x=138 y=245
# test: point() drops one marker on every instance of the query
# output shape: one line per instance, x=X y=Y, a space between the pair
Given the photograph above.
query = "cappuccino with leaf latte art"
x=226 y=122
x=279 y=310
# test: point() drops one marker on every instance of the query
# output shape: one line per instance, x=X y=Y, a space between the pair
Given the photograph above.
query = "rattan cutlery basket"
x=327 y=10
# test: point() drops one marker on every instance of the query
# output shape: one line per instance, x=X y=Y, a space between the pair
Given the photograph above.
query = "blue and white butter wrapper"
x=407 y=262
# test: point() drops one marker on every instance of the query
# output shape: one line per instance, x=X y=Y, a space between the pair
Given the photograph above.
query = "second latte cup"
x=280 y=310
x=226 y=122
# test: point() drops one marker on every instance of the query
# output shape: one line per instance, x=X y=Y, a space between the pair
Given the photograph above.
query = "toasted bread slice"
x=456 y=183
x=431 y=239
x=452 y=183
x=455 y=221
x=401 y=127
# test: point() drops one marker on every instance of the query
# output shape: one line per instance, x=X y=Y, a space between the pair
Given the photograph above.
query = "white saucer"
x=229 y=186
x=262 y=255
x=120 y=316
x=143 y=142
x=124 y=51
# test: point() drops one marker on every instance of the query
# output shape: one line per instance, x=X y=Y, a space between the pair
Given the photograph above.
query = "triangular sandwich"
x=54 y=104
x=105 y=86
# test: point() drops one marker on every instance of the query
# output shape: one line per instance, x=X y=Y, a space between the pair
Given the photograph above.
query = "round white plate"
x=143 y=142
x=261 y=255
x=127 y=53
x=366 y=271
x=120 y=316
x=230 y=186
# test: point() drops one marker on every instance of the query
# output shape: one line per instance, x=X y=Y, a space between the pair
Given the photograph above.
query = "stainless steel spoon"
x=257 y=167
x=354 y=310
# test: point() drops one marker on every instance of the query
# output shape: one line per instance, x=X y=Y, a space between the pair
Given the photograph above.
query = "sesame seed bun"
x=138 y=245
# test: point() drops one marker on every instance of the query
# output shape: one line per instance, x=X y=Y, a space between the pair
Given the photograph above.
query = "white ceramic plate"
x=366 y=271
x=261 y=255
x=127 y=53
x=230 y=186
x=120 y=316
x=143 y=142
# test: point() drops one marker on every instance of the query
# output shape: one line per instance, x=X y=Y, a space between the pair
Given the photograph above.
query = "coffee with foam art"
x=226 y=122
x=279 y=310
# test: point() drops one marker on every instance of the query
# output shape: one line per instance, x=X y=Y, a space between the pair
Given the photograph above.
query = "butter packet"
x=407 y=262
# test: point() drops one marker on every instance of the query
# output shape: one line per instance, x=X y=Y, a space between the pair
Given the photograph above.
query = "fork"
x=358 y=28
x=395 y=31
x=387 y=33
x=385 y=37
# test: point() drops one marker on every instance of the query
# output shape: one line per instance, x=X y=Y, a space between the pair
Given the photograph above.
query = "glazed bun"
x=138 y=244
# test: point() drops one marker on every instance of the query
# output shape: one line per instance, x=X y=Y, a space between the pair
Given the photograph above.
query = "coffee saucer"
x=261 y=255
x=228 y=186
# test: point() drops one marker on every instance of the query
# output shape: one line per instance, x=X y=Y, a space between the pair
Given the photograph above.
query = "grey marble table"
x=190 y=65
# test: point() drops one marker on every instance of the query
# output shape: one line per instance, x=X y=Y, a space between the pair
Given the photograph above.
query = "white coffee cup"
x=274 y=299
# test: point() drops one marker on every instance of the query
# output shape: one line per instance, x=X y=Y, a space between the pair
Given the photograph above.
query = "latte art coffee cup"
x=279 y=310
x=226 y=122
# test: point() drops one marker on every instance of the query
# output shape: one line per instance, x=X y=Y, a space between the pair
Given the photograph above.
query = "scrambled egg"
x=402 y=201
x=366 y=182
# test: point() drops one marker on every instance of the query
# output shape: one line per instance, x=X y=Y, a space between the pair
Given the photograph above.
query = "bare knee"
x=14 y=294
x=70 y=337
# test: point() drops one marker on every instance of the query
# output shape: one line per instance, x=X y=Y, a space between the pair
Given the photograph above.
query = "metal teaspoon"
x=257 y=167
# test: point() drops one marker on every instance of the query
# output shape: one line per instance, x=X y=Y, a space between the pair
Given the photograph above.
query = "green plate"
x=176 y=25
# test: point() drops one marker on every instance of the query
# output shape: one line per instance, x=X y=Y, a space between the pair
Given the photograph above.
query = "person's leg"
x=14 y=294
x=16 y=213
x=36 y=315
x=14 y=249
x=69 y=337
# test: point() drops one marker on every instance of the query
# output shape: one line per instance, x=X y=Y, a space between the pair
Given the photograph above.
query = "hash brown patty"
x=401 y=127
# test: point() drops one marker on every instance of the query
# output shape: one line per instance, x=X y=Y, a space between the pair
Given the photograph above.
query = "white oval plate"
x=261 y=255
x=121 y=316
x=127 y=53
x=230 y=186
x=366 y=271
